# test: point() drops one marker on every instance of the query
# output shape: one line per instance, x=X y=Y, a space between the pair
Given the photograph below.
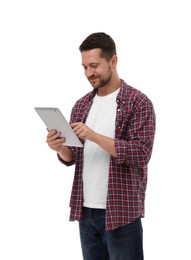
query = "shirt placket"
x=119 y=119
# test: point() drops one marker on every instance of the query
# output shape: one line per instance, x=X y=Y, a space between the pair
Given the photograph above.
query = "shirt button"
x=118 y=109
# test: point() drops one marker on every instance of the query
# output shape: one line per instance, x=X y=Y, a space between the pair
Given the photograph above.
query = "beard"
x=100 y=82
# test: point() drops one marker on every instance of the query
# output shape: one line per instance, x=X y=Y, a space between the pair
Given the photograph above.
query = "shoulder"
x=131 y=96
x=85 y=99
x=81 y=106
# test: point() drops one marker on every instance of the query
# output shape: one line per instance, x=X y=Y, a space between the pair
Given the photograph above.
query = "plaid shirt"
x=134 y=136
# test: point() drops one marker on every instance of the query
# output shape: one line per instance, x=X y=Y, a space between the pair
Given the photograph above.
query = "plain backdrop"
x=40 y=65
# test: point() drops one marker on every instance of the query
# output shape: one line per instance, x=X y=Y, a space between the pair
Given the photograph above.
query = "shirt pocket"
x=122 y=123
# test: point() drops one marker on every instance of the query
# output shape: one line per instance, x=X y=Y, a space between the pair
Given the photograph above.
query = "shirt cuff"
x=64 y=162
x=121 y=151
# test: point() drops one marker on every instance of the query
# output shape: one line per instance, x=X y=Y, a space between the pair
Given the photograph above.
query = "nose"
x=89 y=72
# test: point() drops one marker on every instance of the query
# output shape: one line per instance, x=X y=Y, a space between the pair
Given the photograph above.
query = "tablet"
x=54 y=120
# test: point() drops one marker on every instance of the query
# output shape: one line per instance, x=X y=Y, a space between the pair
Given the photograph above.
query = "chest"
x=102 y=115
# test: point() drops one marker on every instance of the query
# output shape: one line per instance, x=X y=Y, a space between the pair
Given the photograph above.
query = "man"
x=116 y=124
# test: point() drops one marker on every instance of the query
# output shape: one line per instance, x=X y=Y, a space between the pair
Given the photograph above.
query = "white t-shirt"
x=101 y=119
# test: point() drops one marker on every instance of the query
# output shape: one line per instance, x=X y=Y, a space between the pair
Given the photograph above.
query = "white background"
x=40 y=65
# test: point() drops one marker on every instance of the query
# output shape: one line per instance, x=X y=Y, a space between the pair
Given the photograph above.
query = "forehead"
x=91 y=56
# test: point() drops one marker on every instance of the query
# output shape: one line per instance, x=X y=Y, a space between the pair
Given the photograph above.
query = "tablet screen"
x=55 y=120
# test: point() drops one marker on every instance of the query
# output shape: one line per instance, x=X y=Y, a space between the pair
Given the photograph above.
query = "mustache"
x=93 y=77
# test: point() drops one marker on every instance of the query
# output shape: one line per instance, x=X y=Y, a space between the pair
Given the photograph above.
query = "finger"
x=51 y=133
x=78 y=131
x=56 y=142
x=53 y=137
x=77 y=124
x=73 y=125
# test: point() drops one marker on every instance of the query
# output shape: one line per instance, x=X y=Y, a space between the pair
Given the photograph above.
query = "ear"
x=114 y=60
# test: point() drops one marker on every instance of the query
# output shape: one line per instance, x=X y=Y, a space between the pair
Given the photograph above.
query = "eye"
x=94 y=66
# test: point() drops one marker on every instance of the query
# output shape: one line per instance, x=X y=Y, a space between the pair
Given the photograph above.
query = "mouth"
x=93 y=80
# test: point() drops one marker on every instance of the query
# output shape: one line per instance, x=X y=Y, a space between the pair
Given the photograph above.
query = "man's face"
x=97 y=69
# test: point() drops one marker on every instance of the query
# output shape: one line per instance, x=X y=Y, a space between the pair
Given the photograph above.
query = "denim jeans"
x=123 y=243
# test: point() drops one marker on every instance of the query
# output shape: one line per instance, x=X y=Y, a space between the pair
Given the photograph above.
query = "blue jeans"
x=123 y=243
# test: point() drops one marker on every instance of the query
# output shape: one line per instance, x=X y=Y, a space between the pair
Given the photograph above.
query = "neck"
x=109 y=88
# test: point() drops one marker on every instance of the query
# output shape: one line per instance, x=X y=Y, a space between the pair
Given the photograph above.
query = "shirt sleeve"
x=136 y=149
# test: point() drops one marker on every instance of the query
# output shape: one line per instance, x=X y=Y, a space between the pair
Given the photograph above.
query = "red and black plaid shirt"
x=134 y=136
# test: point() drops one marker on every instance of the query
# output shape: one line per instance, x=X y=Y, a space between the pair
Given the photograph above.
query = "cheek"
x=91 y=73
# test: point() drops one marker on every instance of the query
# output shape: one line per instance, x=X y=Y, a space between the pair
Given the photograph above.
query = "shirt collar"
x=123 y=92
x=121 y=97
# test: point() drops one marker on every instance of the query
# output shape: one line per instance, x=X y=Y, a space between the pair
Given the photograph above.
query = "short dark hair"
x=102 y=41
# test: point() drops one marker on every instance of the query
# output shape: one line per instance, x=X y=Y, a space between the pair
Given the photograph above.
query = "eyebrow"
x=90 y=64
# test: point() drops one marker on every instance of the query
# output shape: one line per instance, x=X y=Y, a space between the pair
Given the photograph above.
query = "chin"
x=94 y=85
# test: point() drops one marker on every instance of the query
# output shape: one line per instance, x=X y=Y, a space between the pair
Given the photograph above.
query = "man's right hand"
x=54 y=141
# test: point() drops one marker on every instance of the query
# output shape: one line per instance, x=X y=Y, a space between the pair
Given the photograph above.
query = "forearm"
x=65 y=154
x=84 y=132
x=106 y=143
